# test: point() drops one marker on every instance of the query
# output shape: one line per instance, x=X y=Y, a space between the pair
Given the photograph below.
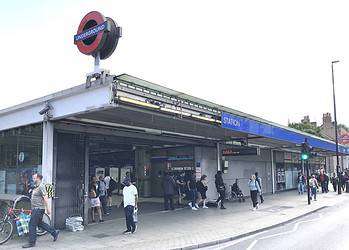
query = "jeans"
x=300 y=188
x=130 y=224
x=313 y=192
x=168 y=201
x=36 y=221
x=254 y=197
x=103 y=199
x=221 y=197
x=193 y=196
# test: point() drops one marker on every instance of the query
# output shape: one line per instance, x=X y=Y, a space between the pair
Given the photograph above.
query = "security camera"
x=44 y=110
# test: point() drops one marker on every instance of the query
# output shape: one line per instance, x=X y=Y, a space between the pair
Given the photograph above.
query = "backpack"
x=112 y=185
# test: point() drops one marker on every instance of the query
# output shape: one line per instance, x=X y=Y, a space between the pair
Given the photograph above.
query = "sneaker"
x=189 y=204
x=194 y=208
x=222 y=207
x=29 y=245
x=257 y=206
x=254 y=209
x=197 y=206
x=133 y=230
x=205 y=206
x=55 y=237
x=127 y=232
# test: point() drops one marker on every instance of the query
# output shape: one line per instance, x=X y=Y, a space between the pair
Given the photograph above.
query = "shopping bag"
x=22 y=224
x=135 y=215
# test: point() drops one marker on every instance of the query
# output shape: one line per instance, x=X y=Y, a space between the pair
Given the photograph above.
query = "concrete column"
x=272 y=171
x=47 y=151
x=142 y=162
x=47 y=156
x=219 y=159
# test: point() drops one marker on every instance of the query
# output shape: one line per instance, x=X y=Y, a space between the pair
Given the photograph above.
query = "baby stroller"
x=236 y=193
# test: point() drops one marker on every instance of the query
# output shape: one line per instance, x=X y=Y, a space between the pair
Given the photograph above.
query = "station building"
x=122 y=124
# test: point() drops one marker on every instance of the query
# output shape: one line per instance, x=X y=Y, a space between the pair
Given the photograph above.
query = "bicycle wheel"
x=40 y=231
x=6 y=230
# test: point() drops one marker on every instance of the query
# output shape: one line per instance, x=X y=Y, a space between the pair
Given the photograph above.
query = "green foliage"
x=307 y=128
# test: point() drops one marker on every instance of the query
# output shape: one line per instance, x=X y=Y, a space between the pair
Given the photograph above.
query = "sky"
x=267 y=58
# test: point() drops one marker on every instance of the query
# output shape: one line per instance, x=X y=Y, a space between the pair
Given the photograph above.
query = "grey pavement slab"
x=186 y=228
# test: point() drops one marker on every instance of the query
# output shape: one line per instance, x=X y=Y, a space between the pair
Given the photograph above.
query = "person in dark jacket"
x=202 y=189
x=169 y=186
x=334 y=181
x=220 y=189
x=191 y=184
x=259 y=180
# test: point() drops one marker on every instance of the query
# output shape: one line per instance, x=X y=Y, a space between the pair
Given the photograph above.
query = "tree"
x=307 y=128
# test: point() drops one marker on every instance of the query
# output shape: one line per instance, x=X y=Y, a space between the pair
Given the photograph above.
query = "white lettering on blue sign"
x=90 y=32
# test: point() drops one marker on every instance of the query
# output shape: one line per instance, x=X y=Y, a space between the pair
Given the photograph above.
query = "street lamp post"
x=336 y=128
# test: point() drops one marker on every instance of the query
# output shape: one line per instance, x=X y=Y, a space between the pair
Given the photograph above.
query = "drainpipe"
x=272 y=171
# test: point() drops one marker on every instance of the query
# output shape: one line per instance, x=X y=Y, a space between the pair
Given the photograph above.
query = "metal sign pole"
x=307 y=165
x=97 y=62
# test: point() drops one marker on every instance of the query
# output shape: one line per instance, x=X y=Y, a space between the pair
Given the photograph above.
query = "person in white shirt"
x=130 y=194
x=107 y=181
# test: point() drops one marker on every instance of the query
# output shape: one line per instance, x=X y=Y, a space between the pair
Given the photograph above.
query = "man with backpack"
x=102 y=190
x=259 y=180
x=112 y=186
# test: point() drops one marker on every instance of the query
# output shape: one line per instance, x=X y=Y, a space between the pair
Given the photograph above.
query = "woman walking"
x=220 y=189
x=202 y=189
x=254 y=190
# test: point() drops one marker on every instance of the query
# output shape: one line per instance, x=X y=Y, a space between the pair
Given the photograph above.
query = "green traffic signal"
x=305 y=156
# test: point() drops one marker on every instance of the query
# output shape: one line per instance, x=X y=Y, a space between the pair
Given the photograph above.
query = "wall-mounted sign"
x=97 y=34
x=240 y=151
x=21 y=157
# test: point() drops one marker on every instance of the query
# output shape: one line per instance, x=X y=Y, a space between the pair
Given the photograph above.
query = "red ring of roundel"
x=90 y=49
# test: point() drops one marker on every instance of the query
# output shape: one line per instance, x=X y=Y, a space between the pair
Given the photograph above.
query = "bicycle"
x=8 y=223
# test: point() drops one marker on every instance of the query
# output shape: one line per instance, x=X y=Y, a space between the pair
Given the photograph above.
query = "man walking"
x=102 y=188
x=169 y=187
x=39 y=202
x=130 y=194
x=259 y=180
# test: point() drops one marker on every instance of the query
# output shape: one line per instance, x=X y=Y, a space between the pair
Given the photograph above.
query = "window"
x=20 y=157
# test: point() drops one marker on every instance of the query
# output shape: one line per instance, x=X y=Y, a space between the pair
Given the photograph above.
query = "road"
x=327 y=229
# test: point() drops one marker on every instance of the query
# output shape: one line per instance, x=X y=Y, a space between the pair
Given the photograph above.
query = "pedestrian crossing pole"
x=305 y=155
x=308 y=186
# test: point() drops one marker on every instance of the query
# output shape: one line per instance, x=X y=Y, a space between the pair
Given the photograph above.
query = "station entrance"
x=83 y=156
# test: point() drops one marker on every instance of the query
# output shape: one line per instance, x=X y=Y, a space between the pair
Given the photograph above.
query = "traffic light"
x=306 y=151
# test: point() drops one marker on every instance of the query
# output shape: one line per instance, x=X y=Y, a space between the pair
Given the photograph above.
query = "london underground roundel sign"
x=97 y=34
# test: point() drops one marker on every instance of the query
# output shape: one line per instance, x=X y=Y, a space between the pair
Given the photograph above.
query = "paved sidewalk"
x=186 y=228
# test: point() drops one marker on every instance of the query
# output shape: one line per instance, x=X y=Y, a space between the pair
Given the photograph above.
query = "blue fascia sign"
x=91 y=32
x=238 y=123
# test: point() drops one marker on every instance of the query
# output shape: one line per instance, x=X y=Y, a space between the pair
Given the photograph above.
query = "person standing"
x=191 y=184
x=334 y=181
x=259 y=180
x=220 y=189
x=323 y=179
x=169 y=187
x=313 y=184
x=180 y=183
x=102 y=190
x=108 y=198
x=301 y=183
x=39 y=203
x=254 y=190
x=95 y=203
x=202 y=189
x=130 y=195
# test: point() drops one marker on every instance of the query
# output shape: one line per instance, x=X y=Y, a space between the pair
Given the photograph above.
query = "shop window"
x=20 y=157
